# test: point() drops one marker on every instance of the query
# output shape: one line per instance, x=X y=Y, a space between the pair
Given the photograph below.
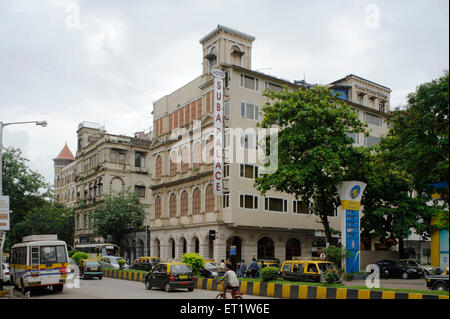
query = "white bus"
x=40 y=260
x=98 y=250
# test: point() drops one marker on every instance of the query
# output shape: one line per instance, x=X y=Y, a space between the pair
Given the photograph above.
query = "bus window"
x=53 y=254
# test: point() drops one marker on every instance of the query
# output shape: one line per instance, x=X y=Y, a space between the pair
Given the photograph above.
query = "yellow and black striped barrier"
x=288 y=291
x=126 y=275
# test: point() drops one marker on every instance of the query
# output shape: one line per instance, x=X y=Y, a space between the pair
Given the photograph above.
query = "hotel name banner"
x=350 y=194
x=218 y=131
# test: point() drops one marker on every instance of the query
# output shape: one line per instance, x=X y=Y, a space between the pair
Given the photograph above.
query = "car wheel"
x=405 y=275
x=148 y=285
x=440 y=287
x=167 y=288
x=190 y=289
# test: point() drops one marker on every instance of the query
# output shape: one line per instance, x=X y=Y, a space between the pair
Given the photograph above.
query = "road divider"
x=288 y=291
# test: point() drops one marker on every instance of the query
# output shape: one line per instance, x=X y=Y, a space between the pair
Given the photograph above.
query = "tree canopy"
x=315 y=146
x=118 y=214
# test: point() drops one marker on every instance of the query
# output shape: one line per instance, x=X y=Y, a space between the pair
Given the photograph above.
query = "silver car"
x=112 y=262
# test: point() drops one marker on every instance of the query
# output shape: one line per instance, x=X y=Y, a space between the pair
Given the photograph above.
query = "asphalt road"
x=393 y=283
x=109 y=288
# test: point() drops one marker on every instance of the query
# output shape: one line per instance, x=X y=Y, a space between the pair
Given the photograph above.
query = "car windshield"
x=92 y=263
x=210 y=266
x=325 y=266
x=180 y=269
x=115 y=260
x=403 y=263
x=412 y=263
x=53 y=254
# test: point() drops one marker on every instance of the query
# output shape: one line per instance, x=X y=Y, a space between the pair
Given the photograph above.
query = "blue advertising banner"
x=352 y=240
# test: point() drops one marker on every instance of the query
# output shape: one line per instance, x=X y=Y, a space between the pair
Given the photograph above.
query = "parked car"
x=112 y=262
x=399 y=268
x=437 y=282
x=145 y=263
x=170 y=275
x=427 y=270
x=6 y=275
x=305 y=270
x=90 y=268
x=209 y=270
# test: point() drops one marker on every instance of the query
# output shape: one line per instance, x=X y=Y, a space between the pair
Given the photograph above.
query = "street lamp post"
x=3 y=234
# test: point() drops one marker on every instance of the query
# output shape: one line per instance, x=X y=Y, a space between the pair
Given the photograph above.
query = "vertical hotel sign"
x=351 y=194
x=218 y=131
x=4 y=213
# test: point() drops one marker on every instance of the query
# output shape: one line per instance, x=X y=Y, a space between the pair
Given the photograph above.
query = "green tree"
x=48 y=219
x=418 y=140
x=389 y=208
x=315 y=150
x=118 y=214
x=419 y=134
x=27 y=190
x=195 y=261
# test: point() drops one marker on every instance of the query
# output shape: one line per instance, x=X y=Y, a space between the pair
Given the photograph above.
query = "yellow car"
x=90 y=268
x=145 y=263
x=267 y=263
x=305 y=270
x=169 y=276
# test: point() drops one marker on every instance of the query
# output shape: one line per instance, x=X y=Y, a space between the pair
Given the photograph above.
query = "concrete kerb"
x=288 y=291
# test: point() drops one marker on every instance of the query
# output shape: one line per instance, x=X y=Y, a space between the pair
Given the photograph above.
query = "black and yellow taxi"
x=305 y=269
x=169 y=276
x=90 y=268
x=267 y=263
x=145 y=263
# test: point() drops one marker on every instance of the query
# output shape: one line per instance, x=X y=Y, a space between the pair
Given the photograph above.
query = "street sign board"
x=4 y=213
x=350 y=193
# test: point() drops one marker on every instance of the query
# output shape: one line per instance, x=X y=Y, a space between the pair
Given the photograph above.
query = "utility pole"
x=5 y=228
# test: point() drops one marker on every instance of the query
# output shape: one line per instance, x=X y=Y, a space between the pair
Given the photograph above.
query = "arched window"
x=209 y=150
x=184 y=203
x=209 y=199
x=173 y=206
x=265 y=248
x=196 y=201
x=197 y=155
x=158 y=207
x=173 y=163
x=293 y=248
x=158 y=167
x=184 y=159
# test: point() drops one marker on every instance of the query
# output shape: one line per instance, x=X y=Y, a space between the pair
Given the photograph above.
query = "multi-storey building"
x=104 y=164
x=246 y=224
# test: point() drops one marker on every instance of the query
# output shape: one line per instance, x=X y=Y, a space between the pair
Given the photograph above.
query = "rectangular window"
x=139 y=190
x=273 y=87
x=249 y=141
x=249 y=111
x=248 y=171
x=226 y=108
x=373 y=119
x=226 y=200
x=248 y=201
x=355 y=137
x=226 y=170
x=53 y=254
x=139 y=159
x=275 y=204
x=301 y=207
x=371 y=141
x=249 y=82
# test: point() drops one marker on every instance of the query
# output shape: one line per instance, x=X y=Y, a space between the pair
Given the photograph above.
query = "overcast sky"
x=67 y=61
